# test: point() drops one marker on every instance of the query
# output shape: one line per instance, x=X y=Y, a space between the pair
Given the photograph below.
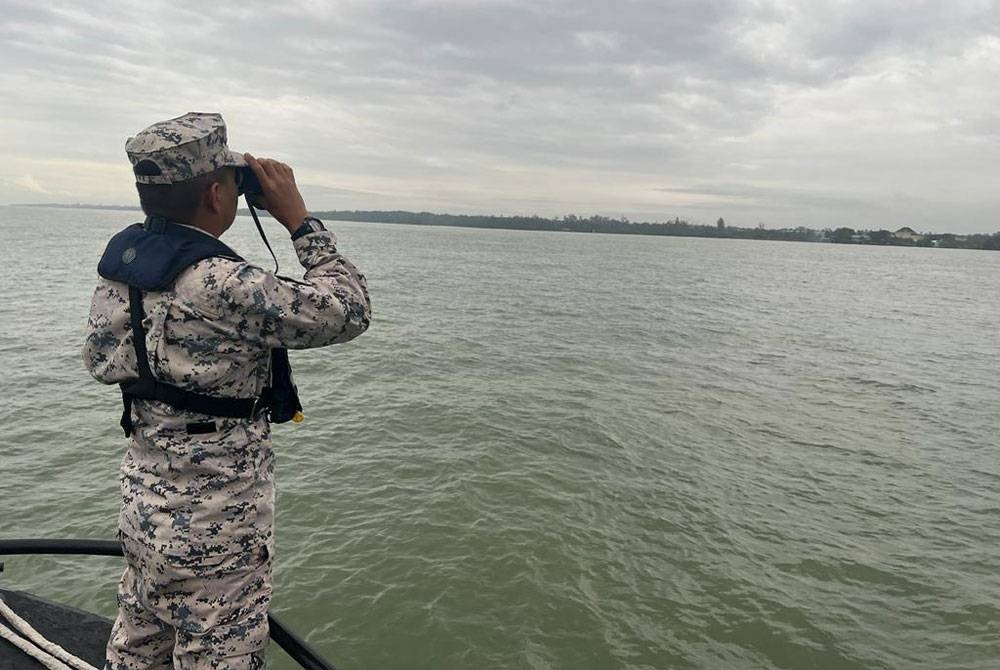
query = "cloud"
x=28 y=183
x=510 y=105
x=596 y=40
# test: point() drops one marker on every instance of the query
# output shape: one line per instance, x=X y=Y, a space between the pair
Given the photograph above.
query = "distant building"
x=906 y=233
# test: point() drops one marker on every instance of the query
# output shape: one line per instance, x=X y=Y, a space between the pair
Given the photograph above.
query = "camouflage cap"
x=180 y=149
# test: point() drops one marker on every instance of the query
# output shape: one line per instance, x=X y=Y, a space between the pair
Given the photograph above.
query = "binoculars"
x=247 y=182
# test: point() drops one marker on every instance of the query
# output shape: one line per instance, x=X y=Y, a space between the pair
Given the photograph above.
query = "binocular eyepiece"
x=247 y=182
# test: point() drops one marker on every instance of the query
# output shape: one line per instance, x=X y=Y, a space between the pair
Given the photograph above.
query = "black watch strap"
x=310 y=224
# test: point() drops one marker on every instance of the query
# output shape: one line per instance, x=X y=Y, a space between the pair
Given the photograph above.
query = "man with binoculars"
x=197 y=339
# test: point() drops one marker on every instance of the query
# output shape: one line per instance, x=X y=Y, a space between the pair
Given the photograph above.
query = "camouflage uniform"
x=197 y=491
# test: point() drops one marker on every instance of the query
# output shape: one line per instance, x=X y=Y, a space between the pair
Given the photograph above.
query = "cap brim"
x=237 y=159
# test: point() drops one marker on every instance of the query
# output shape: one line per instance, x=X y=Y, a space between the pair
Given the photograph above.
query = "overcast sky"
x=871 y=114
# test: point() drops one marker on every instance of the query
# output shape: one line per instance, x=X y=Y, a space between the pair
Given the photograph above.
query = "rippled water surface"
x=555 y=450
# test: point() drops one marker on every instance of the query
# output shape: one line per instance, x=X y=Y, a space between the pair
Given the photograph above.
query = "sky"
x=871 y=114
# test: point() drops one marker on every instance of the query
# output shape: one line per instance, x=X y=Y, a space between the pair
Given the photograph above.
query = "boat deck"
x=81 y=633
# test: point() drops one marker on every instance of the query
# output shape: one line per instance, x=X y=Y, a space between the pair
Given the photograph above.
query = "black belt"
x=182 y=399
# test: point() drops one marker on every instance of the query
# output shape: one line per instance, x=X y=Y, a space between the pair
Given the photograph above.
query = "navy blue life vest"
x=148 y=257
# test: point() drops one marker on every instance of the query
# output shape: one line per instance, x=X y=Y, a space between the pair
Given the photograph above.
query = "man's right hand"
x=281 y=196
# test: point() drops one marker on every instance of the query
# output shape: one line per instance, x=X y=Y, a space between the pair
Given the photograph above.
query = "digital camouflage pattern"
x=192 y=496
x=182 y=148
x=184 y=614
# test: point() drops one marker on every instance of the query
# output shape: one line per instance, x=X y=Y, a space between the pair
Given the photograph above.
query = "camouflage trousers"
x=187 y=615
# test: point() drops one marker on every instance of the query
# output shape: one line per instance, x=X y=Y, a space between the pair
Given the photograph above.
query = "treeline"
x=940 y=240
x=675 y=227
x=576 y=224
x=949 y=241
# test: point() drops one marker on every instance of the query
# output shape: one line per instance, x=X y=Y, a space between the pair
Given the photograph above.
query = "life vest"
x=148 y=257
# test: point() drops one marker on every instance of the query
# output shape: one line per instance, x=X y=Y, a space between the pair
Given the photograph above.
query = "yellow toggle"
x=298 y=418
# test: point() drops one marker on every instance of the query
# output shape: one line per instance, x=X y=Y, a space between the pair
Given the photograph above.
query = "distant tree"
x=721 y=223
x=948 y=241
x=842 y=235
x=991 y=241
x=880 y=237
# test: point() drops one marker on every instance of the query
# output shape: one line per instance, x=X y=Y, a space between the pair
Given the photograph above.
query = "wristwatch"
x=310 y=224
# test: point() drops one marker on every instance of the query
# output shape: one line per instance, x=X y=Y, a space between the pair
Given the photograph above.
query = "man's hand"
x=281 y=196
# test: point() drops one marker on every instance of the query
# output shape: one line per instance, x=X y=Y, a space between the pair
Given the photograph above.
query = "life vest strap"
x=147 y=387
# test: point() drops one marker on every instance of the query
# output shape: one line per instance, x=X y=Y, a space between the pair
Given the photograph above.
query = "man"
x=199 y=383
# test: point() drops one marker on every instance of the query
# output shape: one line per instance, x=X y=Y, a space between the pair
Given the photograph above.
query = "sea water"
x=557 y=450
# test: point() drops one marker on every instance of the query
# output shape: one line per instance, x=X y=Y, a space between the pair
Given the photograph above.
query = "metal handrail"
x=292 y=644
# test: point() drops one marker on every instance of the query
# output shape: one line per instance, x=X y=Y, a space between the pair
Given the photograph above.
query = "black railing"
x=292 y=644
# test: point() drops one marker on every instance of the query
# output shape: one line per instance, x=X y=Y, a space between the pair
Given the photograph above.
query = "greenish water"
x=578 y=451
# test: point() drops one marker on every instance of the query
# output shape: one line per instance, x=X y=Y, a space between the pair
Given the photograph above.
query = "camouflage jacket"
x=211 y=493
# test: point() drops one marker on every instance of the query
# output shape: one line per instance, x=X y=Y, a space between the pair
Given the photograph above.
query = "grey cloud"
x=418 y=102
x=771 y=197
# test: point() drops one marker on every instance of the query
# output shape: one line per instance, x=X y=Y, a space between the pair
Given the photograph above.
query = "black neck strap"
x=260 y=229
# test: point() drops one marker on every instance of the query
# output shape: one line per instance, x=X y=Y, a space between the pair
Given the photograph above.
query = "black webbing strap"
x=136 y=314
x=260 y=229
x=146 y=387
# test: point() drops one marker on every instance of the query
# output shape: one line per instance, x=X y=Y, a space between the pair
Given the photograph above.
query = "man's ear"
x=212 y=200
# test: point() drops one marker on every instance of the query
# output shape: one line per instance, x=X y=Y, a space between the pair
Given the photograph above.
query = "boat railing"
x=290 y=643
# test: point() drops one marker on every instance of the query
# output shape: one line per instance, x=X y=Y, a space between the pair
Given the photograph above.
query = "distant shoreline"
x=602 y=224
x=56 y=205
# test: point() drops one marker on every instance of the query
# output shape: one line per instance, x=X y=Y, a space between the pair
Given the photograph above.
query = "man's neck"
x=198 y=228
x=208 y=226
